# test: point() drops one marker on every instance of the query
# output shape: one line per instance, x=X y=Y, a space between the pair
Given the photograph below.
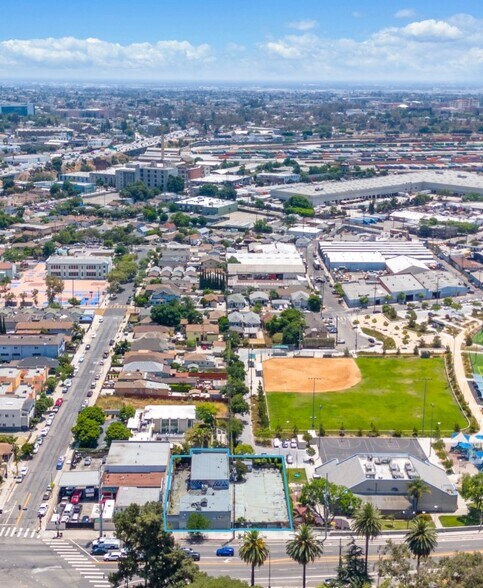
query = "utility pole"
x=313 y=401
x=425 y=380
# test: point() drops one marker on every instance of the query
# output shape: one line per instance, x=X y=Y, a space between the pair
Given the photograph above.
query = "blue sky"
x=262 y=40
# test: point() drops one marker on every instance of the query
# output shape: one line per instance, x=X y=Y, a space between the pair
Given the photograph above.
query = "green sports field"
x=478 y=338
x=390 y=395
x=476 y=360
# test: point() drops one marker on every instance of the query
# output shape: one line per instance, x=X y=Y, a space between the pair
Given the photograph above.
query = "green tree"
x=198 y=522
x=54 y=286
x=421 y=539
x=239 y=405
x=208 y=190
x=352 y=570
x=126 y=412
x=86 y=431
x=206 y=413
x=27 y=450
x=472 y=489
x=328 y=500
x=367 y=524
x=151 y=553
x=168 y=314
x=175 y=184
x=416 y=489
x=117 y=432
x=244 y=449
x=314 y=303
x=304 y=548
x=48 y=249
x=95 y=413
x=253 y=551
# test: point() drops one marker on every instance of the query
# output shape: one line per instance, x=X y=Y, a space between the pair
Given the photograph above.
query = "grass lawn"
x=297 y=475
x=458 y=520
x=476 y=360
x=396 y=525
x=390 y=395
x=478 y=338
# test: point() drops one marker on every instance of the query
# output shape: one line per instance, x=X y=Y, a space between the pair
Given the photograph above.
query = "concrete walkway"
x=460 y=375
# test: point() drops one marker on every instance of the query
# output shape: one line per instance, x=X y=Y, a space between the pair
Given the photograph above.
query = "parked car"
x=88 y=346
x=76 y=496
x=47 y=494
x=293 y=444
x=49 y=421
x=59 y=402
x=19 y=479
x=225 y=552
x=24 y=470
x=289 y=458
x=87 y=461
x=84 y=404
x=85 y=519
x=43 y=508
x=60 y=463
x=44 y=432
x=90 y=393
x=36 y=448
x=276 y=442
x=285 y=444
x=68 y=383
x=81 y=358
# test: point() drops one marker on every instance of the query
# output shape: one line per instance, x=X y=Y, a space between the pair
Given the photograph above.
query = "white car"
x=276 y=442
x=36 y=448
x=40 y=440
x=49 y=421
x=81 y=359
x=68 y=383
x=24 y=470
x=94 y=335
x=43 y=508
x=19 y=479
x=114 y=555
x=293 y=444
x=65 y=518
x=289 y=458
x=101 y=320
x=45 y=431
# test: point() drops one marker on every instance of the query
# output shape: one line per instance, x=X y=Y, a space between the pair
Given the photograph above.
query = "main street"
x=42 y=467
x=50 y=562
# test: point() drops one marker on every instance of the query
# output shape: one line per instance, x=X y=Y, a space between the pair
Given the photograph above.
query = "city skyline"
x=265 y=42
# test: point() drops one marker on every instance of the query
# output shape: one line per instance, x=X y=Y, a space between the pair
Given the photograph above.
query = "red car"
x=59 y=402
x=76 y=496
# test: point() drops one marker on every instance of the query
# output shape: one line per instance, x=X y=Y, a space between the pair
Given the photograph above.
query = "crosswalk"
x=11 y=532
x=80 y=560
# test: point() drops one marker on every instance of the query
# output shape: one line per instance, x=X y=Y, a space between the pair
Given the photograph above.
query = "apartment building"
x=21 y=346
x=79 y=268
x=15 y=413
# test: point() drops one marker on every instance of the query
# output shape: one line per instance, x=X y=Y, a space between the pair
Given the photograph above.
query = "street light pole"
x=431 y=432
x=313 y=401
x=269 y=571
x=425 y=380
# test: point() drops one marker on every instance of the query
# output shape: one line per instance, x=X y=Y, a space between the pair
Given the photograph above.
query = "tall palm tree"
x=416 y=489
x=35 y=296
x=304 y=548
x=421 y=539
x=253 y=551
x=368 y=524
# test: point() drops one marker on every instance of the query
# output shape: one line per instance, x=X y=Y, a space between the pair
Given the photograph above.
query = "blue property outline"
x=230 y=456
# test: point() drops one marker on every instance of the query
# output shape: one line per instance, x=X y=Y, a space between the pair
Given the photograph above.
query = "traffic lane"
x=57 y=442
x=32 y=564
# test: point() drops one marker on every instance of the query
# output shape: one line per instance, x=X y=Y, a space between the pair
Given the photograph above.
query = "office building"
x=79 y=268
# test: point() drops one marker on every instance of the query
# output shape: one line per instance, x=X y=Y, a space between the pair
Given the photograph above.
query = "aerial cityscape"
x=241 y=294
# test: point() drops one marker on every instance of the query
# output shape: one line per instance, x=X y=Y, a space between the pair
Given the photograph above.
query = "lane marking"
x=21 y=513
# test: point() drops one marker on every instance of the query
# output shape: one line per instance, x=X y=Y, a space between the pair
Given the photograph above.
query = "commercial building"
x=79 y=268
x=26 y=109
x=15 y=413
x=137 y=457
x=173 y=419
x=383 y=186
x=267 y=262
x=384 y=480
x=208 y=206
x=21 y=346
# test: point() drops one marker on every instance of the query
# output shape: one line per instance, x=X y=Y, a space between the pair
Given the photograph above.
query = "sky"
x=364 y=41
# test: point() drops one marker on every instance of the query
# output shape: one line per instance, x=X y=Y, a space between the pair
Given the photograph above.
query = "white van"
x=68 y=509
x=107 y=543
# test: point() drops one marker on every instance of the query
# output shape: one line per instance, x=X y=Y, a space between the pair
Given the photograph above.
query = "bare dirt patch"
x=294 y=374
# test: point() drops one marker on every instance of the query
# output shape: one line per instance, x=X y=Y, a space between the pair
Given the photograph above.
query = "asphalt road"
x=42 y=467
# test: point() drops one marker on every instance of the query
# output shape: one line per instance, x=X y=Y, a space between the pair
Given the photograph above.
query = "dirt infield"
x=293 y=374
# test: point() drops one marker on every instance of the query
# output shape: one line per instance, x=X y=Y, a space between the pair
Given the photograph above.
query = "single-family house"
x=236 y=301
x=259 y=297
x=299 y=299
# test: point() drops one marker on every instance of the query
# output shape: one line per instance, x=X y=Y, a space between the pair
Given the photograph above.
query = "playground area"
x=89 y=292
x=296 y=374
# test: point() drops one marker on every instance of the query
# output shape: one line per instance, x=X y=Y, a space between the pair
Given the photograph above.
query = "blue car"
x=225 y=552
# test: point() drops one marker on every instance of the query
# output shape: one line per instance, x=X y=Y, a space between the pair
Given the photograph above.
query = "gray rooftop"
x=216 y=501
x=127 y=495
x=79 y=479
x=137 y=456
x=210 y=465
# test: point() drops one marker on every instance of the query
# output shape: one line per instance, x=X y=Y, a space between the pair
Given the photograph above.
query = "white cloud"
x=69 y=52
x=426 y=50
x=405 y=13
x=432 y=29
x=302 y=25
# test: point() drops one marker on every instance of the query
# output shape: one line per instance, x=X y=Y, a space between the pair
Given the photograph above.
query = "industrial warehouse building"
x=383 y=186
x=267 y=262
x=208 y=206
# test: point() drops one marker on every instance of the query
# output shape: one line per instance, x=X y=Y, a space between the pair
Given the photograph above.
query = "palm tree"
x=304 y=548
x=35 y=296
x=368 y=524
x=22 y=296
x=253 y=551
x=416 y=489
x=421 y=539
